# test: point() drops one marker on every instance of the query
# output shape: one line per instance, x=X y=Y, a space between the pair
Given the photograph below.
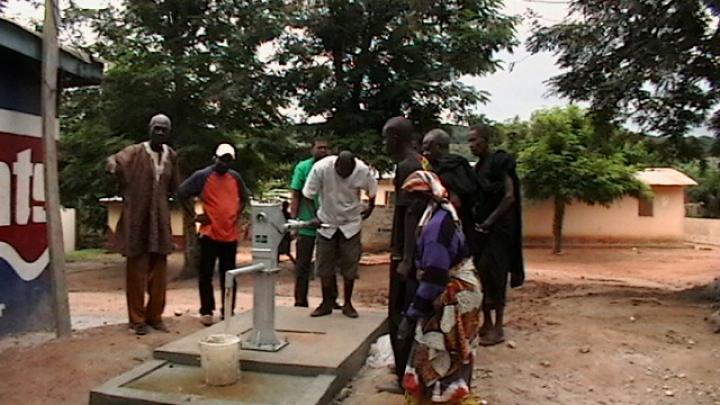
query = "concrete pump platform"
x=322 y=356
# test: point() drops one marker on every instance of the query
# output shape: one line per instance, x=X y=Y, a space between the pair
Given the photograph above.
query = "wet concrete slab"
x=161 y=382
x=322 y=356
x=316 y=345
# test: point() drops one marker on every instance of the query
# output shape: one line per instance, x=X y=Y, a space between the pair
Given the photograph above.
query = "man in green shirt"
x=303 y=209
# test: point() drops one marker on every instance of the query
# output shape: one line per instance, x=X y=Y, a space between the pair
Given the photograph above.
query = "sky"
x=516 y=92
x=522 y=90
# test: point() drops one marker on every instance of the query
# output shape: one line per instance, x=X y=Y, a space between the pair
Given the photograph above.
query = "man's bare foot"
x=485 y=329
x=493 y=337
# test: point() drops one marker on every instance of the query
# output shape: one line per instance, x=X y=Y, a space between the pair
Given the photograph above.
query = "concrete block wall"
x=376 y=230
x=702 y=230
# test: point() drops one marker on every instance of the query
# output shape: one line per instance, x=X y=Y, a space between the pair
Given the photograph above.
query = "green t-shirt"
x=305 y=211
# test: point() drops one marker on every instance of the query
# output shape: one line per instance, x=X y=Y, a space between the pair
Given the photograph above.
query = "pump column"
x=268 y=229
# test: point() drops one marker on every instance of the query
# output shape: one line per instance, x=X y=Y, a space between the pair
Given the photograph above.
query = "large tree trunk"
x=192 y=249
x=558 y=217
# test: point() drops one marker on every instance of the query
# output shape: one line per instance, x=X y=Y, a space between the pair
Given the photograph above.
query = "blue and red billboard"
x=26 y=293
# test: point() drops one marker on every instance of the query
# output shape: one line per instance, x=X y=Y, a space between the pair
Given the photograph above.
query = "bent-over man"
x=339 y=180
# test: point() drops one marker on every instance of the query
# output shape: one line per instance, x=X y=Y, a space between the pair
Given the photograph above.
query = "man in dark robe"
x=456 y=175
x=498 y=222
x=399 y=137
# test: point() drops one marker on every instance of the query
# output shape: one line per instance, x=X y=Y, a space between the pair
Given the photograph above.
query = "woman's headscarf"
x=422 y=180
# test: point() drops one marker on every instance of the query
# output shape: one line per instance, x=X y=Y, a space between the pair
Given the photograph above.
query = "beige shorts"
x=338 y=253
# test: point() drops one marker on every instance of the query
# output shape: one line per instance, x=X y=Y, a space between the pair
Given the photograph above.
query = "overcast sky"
x=513 y=93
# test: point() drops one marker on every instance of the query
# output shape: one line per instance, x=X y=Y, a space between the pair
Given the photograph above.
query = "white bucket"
x=220 y=359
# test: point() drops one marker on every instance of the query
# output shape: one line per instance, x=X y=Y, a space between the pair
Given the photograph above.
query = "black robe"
x=501 y=248
x=459 y=178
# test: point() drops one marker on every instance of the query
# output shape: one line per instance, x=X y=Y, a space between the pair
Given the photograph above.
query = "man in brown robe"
x=147 y=174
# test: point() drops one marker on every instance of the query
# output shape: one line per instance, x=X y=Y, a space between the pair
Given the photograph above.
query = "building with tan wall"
x=659 y=218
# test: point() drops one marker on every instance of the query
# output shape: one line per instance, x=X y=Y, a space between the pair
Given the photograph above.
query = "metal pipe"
x=295 y=224
x=230 y=283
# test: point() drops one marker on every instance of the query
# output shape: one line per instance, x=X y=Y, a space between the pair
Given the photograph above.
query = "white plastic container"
x=220 y=359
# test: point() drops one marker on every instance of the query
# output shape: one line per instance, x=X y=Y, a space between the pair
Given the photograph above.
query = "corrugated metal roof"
x=664 y=176
x=82 y=67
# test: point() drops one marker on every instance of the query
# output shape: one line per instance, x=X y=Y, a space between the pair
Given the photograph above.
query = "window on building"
x=390 y=199
x=646 y=206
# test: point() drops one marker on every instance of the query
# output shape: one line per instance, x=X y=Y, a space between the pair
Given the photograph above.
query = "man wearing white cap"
x=147 y=174
x=224 y=195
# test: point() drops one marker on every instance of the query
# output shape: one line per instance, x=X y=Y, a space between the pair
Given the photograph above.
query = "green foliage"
x=358 y=63
x=562 y=160
x=707 y=192
x=84 y=144
x=656 y=62
x=90 y=255
x=195 y=61
x=557 y=163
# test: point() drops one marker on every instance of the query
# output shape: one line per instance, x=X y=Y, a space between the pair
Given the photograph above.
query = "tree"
x=557 y=163
x=357 y=63
x=196 y=61
x=707 y=192
x=654 y=61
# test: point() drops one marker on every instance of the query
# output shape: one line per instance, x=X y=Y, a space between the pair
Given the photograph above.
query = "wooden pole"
x=52 y=192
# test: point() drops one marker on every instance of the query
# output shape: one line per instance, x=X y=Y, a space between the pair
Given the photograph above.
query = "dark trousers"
x=210 y=252
x=305 y=245
x=401 y=295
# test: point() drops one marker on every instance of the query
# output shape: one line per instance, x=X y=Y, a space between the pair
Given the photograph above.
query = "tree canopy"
x=357 y=63
x=195 y=61
x=656 y=62
x=227 y=71
x=558 y=162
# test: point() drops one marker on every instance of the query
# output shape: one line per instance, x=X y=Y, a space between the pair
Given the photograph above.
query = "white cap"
x=225 y=149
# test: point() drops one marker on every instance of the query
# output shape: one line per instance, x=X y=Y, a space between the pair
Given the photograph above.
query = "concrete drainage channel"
x=323 y=355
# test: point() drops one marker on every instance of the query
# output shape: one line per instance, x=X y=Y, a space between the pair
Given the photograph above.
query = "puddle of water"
x=253 y=387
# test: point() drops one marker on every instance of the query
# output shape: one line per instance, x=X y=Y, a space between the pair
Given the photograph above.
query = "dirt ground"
x=592 y=326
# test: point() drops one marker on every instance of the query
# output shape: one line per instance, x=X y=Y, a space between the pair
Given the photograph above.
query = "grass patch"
x=89 y=255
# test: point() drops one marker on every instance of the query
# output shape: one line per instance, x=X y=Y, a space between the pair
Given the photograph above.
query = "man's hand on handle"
x=202 y=219
x=367 y=212
x=403 y=268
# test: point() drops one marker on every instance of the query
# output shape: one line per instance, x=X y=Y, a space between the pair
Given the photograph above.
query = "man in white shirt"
x=338 y=181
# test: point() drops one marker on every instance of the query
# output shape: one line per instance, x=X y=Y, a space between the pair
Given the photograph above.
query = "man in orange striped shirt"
x=224 y=195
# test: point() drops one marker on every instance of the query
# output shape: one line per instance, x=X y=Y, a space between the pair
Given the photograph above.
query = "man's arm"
x=371 y=188
x=295 y=203
x=117 y=164
x=244 y=193
x=313 y=184
x=413 y=213
x=369 y=210
x=505 y=204
x=191 y=187
x=296 y=185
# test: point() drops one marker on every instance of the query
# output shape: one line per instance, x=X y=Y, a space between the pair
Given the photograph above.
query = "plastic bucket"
x=220 y=359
